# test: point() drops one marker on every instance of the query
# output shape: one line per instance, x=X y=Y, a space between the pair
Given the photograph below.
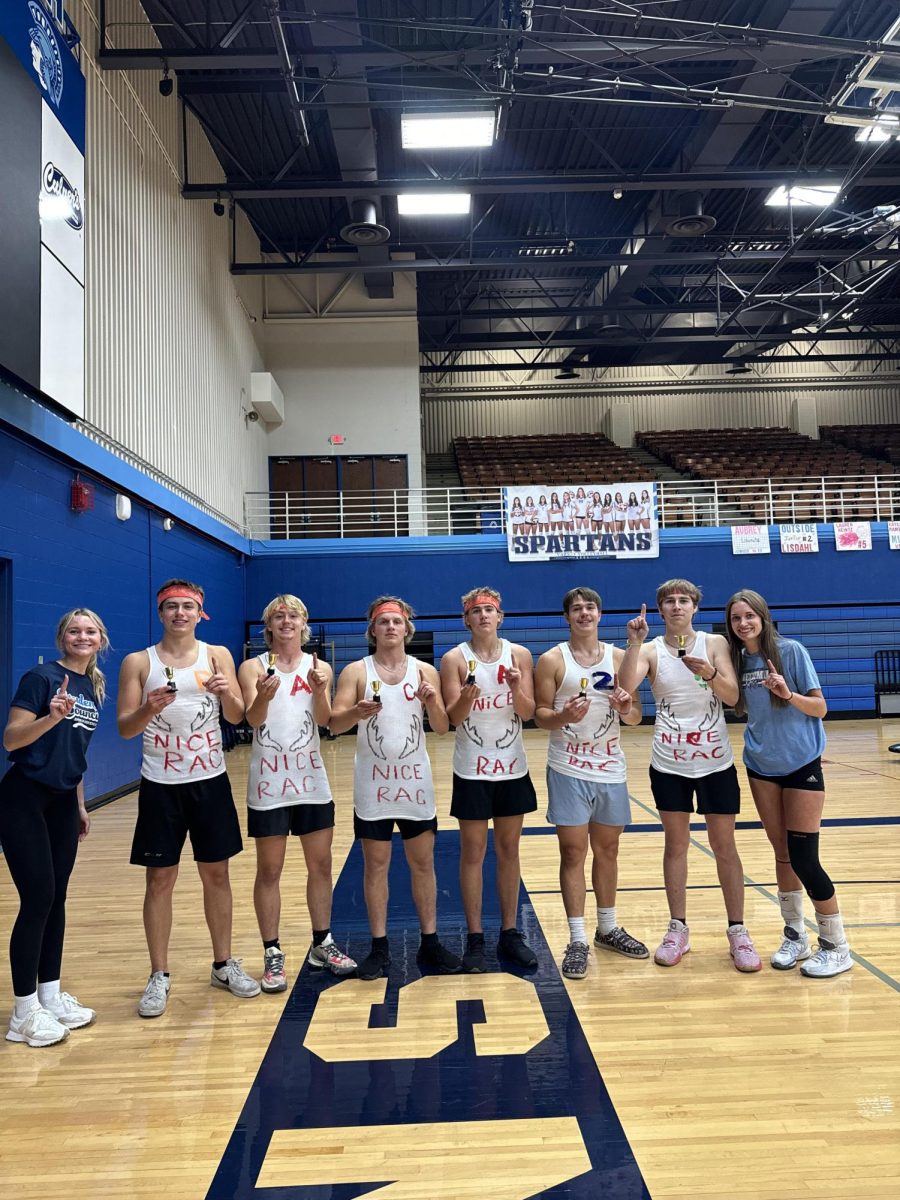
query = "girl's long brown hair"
x=769 y=639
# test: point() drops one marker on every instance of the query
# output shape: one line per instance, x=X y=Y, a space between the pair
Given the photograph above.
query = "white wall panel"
x=169 y=344
x=488 y=404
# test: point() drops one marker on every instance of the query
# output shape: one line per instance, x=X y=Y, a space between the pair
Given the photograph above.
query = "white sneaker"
x=39 y=1028
x=233 y=978
x=828 y=960
x=69 y=1012
x=155 y=997
x=794 y=949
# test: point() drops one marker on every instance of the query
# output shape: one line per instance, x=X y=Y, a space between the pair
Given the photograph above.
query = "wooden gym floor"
x=639 y=1081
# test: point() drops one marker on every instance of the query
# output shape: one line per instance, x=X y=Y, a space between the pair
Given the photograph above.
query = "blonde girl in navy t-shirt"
x=43 y=818
x=783 y=744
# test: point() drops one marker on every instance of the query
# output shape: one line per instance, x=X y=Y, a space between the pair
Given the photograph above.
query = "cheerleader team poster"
x=553 y=522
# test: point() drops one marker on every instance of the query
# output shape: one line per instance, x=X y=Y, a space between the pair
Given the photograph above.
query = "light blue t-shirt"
x=778 y=740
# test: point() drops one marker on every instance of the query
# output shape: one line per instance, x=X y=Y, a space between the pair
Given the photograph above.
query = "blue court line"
x=764 y=891
x=714 y=887
x=656 y=826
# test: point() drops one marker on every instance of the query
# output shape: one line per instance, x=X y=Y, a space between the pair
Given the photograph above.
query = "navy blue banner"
x=51 y=65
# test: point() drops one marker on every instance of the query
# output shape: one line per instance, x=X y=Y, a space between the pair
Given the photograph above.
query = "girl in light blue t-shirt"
x=783 y=744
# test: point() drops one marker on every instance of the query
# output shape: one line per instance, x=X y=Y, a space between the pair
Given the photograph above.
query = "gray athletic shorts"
x=576 y=801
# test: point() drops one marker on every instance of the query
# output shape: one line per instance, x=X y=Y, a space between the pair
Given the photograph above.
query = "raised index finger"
x=643 y=612
x=64 y=686
x=771 y=666
x=615 y=680
x=214 y=664
x=315 y=661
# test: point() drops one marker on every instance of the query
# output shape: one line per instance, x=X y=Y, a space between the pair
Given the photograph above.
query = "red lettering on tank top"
x=501 y=673
x=404 y=771
x=409 y=691
x=300 y=685
x=386 y=795
x=493 y=766
x=172 y=762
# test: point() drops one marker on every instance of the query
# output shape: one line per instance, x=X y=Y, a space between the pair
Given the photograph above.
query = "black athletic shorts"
x=804 y=779
x=382 y=830
x=168 y=812
x=298 y=819
x=719 y=793
x=481 y=799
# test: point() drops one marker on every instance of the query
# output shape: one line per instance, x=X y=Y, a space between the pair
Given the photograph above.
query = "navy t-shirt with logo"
x=58 y=759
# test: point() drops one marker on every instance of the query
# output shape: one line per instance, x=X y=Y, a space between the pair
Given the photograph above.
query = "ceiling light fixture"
x=803 y=196
x=448 y=130
x=434 y=204
x=567 y=373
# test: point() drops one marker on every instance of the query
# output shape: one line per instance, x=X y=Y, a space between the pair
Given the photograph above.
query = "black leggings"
x=39 y=834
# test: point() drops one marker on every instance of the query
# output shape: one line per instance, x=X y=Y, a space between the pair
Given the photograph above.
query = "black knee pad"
x=803 y=849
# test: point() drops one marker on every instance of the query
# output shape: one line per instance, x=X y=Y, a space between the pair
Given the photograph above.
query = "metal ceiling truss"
x=748 y=109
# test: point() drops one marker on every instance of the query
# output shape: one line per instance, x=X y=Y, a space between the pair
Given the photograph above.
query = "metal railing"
x=431 y=512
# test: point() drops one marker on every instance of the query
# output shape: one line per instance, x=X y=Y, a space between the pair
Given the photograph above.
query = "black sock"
x=217 y=966
x=681 y=919
x=319 y=936
x=166 y=973
x=429 y=940
x=504 y=932
x=267 y=945
x=379 y=945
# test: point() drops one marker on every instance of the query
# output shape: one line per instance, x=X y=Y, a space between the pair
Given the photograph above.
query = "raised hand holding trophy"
x=376 y=689
x=470 y=678
x=170 y=678
x=272 y=657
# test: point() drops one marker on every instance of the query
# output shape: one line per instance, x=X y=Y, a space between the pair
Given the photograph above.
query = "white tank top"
x=590 y=749
x=391 y=770
x=690 y=737
x=489 y=742
x=286 y=765
x=183 y=743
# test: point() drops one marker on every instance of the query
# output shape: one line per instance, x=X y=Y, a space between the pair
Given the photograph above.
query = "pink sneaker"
x=674 y=945
x=742 y=949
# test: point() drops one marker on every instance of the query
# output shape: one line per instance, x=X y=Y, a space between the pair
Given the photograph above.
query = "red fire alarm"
x=81 y=496
x=337 y=439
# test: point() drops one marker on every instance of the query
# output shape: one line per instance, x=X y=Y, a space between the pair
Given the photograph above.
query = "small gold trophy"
x=170 y=678
x=682 y=640
x=470 y=678
x=271 y=667
x=376 y=690
x=582 y=695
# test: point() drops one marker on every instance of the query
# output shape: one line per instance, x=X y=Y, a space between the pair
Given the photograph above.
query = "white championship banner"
x=551 y=522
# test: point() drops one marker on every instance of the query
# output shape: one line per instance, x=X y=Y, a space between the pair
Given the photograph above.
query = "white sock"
x=791 y=904
x=577 y=931
x=26 y=1004
x=831 y=928
x=47 y=992
x=606 y=919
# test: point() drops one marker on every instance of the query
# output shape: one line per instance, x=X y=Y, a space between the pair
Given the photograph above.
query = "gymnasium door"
x=333 y=496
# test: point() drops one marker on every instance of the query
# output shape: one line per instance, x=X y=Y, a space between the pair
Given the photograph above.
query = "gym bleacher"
x=486 y=463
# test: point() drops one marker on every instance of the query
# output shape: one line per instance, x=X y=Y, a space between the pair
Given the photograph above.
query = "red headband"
x=482 y=599
x=177 y=591
x=389 y=606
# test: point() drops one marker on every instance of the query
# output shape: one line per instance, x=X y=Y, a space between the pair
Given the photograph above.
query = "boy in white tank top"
x=386 y=695
x=579 y=700
x=288 y=697
x=489 y=691
x=692 y=678
x=172 y=694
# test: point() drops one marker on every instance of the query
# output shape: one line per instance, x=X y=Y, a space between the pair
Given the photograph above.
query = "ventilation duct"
x=690 y=221
x=364 y=228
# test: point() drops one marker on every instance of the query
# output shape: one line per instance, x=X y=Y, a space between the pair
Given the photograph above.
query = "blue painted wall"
x=843 y=606
x=57 y=559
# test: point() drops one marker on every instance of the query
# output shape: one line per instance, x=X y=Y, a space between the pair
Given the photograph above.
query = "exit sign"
x=337 y=439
